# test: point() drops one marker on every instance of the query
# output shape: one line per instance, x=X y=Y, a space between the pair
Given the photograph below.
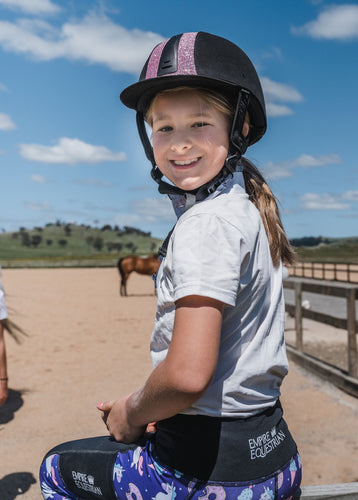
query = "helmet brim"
x=139 y=95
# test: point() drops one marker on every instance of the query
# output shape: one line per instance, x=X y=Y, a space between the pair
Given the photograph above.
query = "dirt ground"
x=87 y=344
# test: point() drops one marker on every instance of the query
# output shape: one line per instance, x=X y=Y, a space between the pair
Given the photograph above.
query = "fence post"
x=351 y=329
x=298 y=315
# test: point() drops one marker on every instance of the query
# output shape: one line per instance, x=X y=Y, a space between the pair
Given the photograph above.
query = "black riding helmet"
x=201 y=60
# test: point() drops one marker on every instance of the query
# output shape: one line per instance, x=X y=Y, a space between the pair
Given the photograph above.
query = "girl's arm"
x=3 y=368
x=180 y=379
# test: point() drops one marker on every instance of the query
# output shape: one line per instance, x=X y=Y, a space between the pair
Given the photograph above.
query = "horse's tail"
x=122 y=288
x=120 y=269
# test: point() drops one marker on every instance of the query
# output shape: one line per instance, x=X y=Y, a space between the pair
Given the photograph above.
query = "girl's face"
x=190 y=139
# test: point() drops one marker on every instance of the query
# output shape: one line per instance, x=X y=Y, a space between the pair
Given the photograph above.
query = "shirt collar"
x=182 y=202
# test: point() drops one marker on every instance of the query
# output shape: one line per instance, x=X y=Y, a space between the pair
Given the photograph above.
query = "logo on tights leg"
x=86 y=482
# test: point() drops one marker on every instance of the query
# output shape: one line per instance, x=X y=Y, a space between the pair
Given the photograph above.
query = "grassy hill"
x=61 y=243
x=322 y=249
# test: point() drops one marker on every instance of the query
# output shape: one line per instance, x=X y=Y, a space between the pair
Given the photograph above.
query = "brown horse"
x=142 y=265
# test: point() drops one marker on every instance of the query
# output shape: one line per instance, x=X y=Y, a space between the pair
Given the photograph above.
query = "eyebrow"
x=162 y=116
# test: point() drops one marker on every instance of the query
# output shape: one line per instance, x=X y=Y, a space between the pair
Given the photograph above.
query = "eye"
x=166 y=128
x=199 y=124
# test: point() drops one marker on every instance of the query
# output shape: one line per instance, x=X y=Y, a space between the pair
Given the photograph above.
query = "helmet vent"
x=169 y=59
x=166 y=65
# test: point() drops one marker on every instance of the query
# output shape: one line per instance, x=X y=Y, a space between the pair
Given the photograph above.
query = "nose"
x=181 y=142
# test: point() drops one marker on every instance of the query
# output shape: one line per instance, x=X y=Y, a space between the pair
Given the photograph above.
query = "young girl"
x=3 y=364
x=217 y=346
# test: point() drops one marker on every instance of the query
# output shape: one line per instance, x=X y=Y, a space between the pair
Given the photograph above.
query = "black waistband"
x=222 y=449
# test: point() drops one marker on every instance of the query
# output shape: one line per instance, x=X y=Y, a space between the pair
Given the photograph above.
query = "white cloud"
x=32 y=6
x=325 y=201
x=276 y=93
x=351 y=195
x=285 y=169
x=95 y=39
x=280 y=91
x=306 y=161
x=69 y=151
x=272 y=53
x=44 y=206
x=273 y=109
x=148 y=210
x=274 y=171
x=37 y=178
x=6 y=122
x=3 y=88
x=128 y=220
x=154 y=208
x=336 y=22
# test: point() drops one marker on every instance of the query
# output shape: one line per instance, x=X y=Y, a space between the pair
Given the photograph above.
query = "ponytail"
x=262 y=197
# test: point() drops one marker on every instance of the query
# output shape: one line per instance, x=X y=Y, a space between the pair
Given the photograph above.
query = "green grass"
x=331 y=250
x=80 y=250
x=80 y=245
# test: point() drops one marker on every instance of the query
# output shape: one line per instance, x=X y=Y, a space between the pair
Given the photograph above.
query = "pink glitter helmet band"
x=185 y=57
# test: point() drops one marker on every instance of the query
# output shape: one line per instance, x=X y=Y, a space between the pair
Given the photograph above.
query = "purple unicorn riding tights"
x=100 y=468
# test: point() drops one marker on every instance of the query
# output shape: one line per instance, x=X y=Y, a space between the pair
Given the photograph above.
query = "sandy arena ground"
x=87 y=344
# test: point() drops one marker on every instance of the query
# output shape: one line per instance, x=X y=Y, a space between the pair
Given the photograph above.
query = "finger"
x=151 y=427
x=105 y=406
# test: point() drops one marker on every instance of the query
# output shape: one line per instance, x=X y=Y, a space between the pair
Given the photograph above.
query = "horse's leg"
x=124 y=281
x=122 y=287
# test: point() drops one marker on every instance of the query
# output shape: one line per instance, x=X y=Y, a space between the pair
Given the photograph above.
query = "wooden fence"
x=329 y=492
x=346 y=380
x=330 y=271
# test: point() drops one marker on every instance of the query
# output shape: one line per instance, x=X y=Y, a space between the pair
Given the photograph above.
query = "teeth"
x=186 y=162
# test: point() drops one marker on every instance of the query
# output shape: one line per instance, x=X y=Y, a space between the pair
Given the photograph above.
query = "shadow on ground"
x=12 y=405
x=15 y=484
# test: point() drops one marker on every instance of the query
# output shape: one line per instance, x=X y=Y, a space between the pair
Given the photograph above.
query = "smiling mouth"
x=185 y=163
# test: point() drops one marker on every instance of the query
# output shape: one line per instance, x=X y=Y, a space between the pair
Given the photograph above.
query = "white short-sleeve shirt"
x=3 y=310
x=219 y=249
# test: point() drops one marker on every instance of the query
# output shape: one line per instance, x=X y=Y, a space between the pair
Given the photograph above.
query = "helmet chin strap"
x=238 y=146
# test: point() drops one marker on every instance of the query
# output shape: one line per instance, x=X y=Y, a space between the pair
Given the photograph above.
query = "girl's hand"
x=151 y=428
x=115 y=416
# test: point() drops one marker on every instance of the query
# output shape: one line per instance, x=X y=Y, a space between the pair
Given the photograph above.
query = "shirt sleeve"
x=207 y=255
x=3 y=310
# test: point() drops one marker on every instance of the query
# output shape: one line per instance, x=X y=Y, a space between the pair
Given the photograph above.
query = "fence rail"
x=330 y=271
x=329 y=492
x=346 y=380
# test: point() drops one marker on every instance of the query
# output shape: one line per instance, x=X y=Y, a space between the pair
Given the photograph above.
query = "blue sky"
x=69 y=150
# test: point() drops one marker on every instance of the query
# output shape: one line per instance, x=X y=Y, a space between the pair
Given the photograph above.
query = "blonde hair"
x=208 y=96
x=257 y=188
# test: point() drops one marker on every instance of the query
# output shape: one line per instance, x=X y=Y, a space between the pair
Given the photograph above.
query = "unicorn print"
x=137 y=460
x=169 y=495
x=267 y=495
x=118 y=472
